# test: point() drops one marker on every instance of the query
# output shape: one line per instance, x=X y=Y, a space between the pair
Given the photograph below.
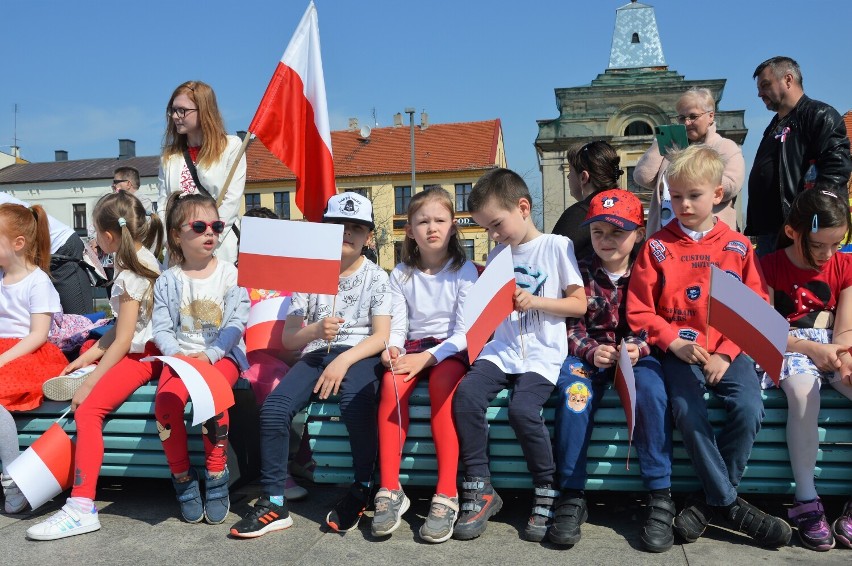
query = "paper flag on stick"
x=46 y=468
x=285 y=255
x=489 y=301
x=625 y=384
x=208 y=389
x=266 y=324
x=749 y=321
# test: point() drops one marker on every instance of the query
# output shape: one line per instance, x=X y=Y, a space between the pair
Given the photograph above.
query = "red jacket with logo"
x=669 y=289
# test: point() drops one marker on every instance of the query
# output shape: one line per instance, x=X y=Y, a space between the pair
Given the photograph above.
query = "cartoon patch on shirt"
x=658 y=250
x=734 y=274
x=737 y=247
x=688 y=334
x=693 y=292
x=577 y=397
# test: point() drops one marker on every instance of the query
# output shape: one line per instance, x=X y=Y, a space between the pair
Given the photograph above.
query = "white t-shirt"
x=202 y=306
x=32 y=294
x=137 y=288
x=360 y=296
x=544 y=266
x=59 y=232
x=429 y=306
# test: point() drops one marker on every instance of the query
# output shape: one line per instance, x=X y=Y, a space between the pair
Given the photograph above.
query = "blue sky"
x=87 y=73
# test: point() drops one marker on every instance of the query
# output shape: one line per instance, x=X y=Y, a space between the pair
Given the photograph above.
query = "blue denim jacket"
x=166 y=319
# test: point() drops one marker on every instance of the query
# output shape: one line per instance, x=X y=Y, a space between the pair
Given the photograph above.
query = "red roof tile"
x=848 y=119
x=439 y=147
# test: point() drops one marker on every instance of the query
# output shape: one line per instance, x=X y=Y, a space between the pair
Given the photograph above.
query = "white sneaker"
x=62 y=388
x=65 y=523
x=15 y=500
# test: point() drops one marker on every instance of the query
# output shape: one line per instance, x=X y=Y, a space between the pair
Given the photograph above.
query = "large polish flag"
x=625 y=385
x=46 y=468
x=208 y=389
x=749 y=321
x=266 y=324
x=292 y=119
x=489 y=301
x=301 y=257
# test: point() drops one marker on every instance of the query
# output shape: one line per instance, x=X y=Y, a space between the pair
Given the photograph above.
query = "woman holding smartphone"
x=696 y=109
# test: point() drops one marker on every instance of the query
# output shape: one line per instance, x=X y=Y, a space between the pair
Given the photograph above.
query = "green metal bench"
x=768 y=469
x=132 y=446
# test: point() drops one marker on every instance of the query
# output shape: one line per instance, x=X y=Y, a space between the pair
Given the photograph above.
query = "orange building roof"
x=439 y=147
x=848 y=119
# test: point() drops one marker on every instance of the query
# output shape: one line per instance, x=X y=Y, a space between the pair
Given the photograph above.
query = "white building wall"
x=58 y=198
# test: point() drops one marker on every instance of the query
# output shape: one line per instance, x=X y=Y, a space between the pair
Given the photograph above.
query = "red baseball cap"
x=618 y=207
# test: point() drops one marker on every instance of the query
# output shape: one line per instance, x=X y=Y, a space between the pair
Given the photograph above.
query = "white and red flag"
x=292 y=119
x=266 y=324
x=489 y=301
x=625 y=385
x=749 y=321
x=208 y=389
x=46 y=468
x=284 y=255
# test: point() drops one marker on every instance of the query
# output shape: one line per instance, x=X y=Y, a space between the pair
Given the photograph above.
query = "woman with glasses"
x=593 y=167
x=198 y=155
x=696 y=109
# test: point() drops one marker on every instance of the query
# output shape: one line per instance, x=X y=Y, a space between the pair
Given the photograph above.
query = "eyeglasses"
x=689 y=119
x=116 y=182
x=181 y=112
x=200 y=226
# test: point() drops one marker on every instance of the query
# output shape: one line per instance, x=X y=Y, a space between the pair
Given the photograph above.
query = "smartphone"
x=671 y=137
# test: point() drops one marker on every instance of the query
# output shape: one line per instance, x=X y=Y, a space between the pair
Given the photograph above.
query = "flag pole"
x=233 y=170
x=333 y=308
x=707 y=322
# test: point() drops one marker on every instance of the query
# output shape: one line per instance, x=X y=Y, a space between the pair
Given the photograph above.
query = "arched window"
x=635 y=38
x=638 y=128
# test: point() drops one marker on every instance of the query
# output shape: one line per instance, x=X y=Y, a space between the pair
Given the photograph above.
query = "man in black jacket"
x=805 y=143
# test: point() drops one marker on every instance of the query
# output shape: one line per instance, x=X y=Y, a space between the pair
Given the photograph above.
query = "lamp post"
x=410 y=112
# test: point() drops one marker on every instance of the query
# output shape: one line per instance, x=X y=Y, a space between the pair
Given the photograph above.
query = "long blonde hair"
x=212 y=125
x=110 y=211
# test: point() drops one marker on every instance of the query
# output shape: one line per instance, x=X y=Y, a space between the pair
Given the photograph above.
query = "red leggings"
x=113 y=389
x=443 y=379
x=169 y=405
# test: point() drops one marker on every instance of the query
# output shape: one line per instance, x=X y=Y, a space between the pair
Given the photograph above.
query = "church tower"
x=621 y=106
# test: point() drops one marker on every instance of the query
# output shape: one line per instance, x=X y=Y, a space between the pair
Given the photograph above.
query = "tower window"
x=638 y=128
x=635 y=38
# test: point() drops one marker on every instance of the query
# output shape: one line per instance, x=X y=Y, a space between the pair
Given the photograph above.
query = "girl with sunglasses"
x=200 y=312
x=198 y=155
x=122 y=228
x=593 y=168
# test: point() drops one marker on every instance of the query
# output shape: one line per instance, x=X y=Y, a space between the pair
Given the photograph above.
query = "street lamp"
x=410 y=112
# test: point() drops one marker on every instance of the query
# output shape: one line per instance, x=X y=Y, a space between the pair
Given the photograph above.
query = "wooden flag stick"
x=233 y=170
x=396 y=394
x=521 y=335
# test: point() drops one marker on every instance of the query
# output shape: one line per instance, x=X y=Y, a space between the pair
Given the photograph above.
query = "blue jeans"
x=358 y=396
x=719 y=460
x=580 y=387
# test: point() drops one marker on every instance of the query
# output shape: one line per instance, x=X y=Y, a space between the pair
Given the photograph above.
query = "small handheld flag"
x=209 y=391
x=489 y=301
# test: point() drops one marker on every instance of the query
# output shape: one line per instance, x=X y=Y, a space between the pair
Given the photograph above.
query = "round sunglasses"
x=200 y=226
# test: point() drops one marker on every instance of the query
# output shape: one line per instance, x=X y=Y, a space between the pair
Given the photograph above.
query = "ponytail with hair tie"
x=122 y=222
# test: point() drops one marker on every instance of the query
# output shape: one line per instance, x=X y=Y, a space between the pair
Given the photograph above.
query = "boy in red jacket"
x=668 y=299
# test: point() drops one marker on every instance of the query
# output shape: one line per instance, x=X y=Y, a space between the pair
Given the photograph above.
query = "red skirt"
x=22 y=378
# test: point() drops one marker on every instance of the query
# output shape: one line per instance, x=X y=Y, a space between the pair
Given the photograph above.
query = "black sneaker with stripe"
x=264 y=517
